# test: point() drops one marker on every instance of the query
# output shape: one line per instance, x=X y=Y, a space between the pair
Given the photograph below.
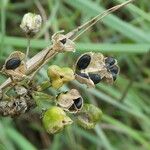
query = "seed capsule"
x=78 y=102
x=114 y=69
x=13 y=63
x=110 y=61
x=95 y=78
x=83 y=61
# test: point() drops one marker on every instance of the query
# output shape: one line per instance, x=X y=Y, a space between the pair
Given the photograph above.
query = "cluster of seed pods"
x=92 y=68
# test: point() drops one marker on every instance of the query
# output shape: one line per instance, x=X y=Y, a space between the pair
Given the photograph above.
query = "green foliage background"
x=126 y=104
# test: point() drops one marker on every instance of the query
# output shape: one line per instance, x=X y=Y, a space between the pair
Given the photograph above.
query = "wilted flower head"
x=31 y=23
x=61 y=43
x=91 y=68
x=59 y=76
x=70 y=101
x=89 y=116
x=55 y=119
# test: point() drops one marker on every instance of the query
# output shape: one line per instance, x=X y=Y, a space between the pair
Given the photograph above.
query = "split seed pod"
x=55 y=119
x=15 y=66
x=89 y=116
x=31 y=23
x=92 y=68
x=62 y=44
x=70 y=101
x=60 y=76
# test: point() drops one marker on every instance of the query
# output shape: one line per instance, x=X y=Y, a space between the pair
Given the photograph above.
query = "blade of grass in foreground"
x=134 y=134
x=82 y=47
x=17 y=138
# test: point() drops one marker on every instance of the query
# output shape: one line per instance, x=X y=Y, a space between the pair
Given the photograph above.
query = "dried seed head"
x=61 y=43
x=89 y=116
x=70 y=101
x=92 y=68
x=15 y=107
x=20 y=90
x=60 y=76
x=55 y=119
x=31 y=23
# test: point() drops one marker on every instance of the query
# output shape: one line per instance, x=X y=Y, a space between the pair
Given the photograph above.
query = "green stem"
x=28 y=48
x=43 y=86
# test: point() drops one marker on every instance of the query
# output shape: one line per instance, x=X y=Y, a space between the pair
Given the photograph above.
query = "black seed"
x=95 y=78
x=63 y=41
x=84 y=61
x=78 y=102
x=114 y=69
x=114 y=76
x=13 y=63
x=110 y=61
x=83 y=75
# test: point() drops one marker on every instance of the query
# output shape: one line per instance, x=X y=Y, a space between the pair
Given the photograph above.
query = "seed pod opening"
x=83 y=75
x=78 y=102
x=14 y=66
x=83 y=61
x=61 y=43
x=70 y=101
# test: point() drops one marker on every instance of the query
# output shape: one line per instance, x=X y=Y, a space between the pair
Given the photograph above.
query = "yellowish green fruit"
x=60 y=76
x=55 y=119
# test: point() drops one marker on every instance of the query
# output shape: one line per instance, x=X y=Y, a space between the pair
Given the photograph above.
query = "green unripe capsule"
x=89 y=116
x=55 y=119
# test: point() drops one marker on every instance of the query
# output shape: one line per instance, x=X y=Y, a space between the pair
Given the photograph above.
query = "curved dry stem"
x=40 y=59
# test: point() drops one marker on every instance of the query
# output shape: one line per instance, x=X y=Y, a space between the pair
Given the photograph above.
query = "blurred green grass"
x=126 y=105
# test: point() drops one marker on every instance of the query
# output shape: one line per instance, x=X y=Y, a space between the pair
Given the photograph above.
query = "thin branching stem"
x=39 y=60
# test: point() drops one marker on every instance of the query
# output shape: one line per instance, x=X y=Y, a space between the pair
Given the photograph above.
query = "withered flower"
x=91 y=68
x=70 y=101
x=31 y=23
x=59 y=76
